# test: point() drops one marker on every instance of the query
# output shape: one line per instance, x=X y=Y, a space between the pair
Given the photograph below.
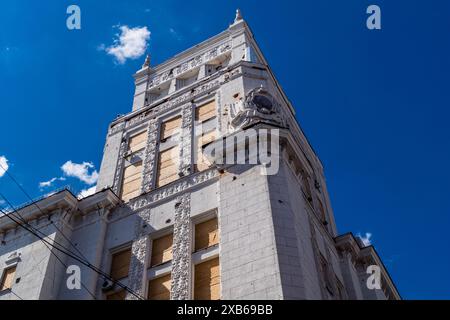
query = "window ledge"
x=206 y=253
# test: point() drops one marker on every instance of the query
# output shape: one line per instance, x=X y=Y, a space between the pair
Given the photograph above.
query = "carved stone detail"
x=189 y=65
x=149 y=157
x=139 y=251
x=181 y=249
x=153 y=111
x=119 y=167
x=186 y=140
x=259 y=106
x=219 y=110
x=176 y=187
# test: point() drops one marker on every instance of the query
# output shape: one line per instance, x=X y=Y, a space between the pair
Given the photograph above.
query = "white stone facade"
x=278 y=238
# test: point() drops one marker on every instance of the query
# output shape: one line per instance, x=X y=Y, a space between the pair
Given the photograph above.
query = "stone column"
x=139 y=256
x=181 y=262
x=186 y=140
x=149 y=157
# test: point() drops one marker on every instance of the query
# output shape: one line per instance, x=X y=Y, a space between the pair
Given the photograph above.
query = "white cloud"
x=3 y=165
x=131 y=43
x=49 y=183
x=80 y=171
x=366 y=239
x=86 y=192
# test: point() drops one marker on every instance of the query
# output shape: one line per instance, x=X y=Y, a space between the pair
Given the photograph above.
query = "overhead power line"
x=82 y=259
x=45 y=242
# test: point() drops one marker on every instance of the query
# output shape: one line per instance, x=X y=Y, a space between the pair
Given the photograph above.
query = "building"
x=172 y=220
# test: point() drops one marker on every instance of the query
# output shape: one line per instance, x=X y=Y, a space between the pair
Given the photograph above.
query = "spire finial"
x=238 y=16
x=146 y=62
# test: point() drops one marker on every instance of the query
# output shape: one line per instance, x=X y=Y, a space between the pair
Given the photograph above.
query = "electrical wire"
x=45 y=244
x=68 y=253
x=64 y=250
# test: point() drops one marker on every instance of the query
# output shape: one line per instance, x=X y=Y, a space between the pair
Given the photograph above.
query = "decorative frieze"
x=149 y=156
x=181 y=262
x=189 y=65
x=172 y=189
x=175 y=102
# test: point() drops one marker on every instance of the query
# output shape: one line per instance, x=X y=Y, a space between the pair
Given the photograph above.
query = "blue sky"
x=374 y=104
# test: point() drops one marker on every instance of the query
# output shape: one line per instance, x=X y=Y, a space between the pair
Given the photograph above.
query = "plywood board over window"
x=132 y=180
x=120 y=264
x=7 y=278
x=161 y=250
x=159 y=288
x=118 y=295
x=137 y=142
x=202 y=162
x=170 y=127
x=206 y=234
x=168 y=166
x=205 y=112
x=207 y=280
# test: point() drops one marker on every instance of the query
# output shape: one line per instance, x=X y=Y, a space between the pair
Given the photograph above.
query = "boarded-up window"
x=205 y=112
x=207 y=280
x=161 y=250
x=170 y=127
x=120 y=264
x=132 y=175
x=168 y=166
x=132 y=179
x=159 y=288
x=119 y=295
x=7 y=278
x=137 y=142
x=206 y=234
x=202 y=162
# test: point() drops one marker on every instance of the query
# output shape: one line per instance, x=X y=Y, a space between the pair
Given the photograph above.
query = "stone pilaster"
x=119 y=167
x=186 y=140
x=139 y=255
x=181 y=262
x=149 y=157
x=137 y=266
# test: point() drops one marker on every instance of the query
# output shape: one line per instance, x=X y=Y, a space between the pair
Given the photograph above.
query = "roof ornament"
x=238 y=16
x=146 y=62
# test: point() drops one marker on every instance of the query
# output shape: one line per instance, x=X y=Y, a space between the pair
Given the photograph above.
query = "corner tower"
x=198 y=228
